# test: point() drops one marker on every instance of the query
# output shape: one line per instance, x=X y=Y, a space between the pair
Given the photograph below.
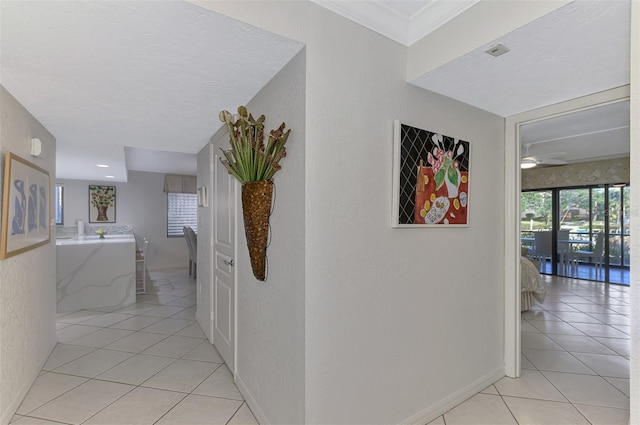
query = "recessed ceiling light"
x=102 y=165
x=110 y=177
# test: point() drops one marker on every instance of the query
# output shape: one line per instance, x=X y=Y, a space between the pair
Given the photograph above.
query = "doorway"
x=513 y=187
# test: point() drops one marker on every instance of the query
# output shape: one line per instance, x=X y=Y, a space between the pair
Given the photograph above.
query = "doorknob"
x=229 y=263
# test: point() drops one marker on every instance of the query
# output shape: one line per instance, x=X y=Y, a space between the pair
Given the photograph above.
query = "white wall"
x=270 y=327
x=398 y=320
x=27 y=280
x=140 y=202
x=634 y=399
x=376 y=298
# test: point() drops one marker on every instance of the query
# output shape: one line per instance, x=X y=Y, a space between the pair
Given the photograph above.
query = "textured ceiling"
x=102 y=75
x=576 y=50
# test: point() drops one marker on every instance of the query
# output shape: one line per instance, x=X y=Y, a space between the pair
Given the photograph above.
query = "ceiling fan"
x=548 y=159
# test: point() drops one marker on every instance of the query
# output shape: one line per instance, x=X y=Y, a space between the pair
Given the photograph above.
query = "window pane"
x=182 y=210
x=59 y=204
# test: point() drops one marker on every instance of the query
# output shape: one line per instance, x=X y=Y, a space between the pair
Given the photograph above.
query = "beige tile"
x=556 y=328
x=24 y=420
x=79 y=316
x=621 y=346
x=580 y=344
x=531 y=384
x=538 y=341
x=107 y=309
x=602 y=330
x=188 y=301
x=168 y=326
x=540 y=412
x=559 y=361
x=620 y=383
x=577 y=317
x=137 y=308
x=613 y=319
x=533 y=315
x=244 y=416
x=64 y=353
x=163 y=311
x=94 y=363
x=219 y=384
x=173 y=346
x=198 y=410
x=136 y=342
x=598 y=415
x=604 y=365
x=107 y=319
x=136 y=369
x=47 y=387
x=140 y=406
x=182 y=375
x=188 y=314
x=528 y=327
x=481 y=409
x=205 y=352
x=136 y=323
x=72 y=332
x=193 y=330
x=99 y=339
x=491 y=389
x=437 y=421
x=585 y=389
x=525 y=363
x=84 y=401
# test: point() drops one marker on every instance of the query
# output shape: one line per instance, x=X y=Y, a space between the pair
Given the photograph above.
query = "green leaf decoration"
x=249 y=159
x=439 y=178
x=453 y=176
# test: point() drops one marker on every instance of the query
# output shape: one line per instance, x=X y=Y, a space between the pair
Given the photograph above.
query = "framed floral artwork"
x=102 y=204
x=25 y=207
x=431 y=177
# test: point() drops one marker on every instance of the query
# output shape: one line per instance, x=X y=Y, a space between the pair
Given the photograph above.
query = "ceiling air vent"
x=497 y=50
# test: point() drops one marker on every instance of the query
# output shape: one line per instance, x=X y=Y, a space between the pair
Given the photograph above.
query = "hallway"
x=148 y=363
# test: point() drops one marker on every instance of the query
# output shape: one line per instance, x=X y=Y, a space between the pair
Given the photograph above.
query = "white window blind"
x=182 y=210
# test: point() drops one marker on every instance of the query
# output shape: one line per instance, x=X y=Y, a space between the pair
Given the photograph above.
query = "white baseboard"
x=432 y=412
x=11 y=409
x=251 y=401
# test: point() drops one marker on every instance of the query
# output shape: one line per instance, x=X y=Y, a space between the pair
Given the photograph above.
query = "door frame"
x=512 y=189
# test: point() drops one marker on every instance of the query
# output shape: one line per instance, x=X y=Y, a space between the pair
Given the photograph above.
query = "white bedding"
x=531 y=281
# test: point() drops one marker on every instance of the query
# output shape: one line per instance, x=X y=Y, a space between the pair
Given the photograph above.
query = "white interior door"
x=224 y=275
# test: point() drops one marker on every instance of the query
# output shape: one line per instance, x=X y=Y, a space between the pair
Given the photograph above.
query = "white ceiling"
x=103 y=75
x=576 y=50
x=579 y=49
x=152 y=76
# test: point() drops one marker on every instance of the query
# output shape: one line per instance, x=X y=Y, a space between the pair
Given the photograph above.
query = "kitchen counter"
x=94 y=272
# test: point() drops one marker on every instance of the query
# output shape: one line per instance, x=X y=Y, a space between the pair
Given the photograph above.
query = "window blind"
x=182 y=210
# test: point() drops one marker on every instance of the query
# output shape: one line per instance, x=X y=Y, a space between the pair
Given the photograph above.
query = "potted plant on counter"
x=254 y=164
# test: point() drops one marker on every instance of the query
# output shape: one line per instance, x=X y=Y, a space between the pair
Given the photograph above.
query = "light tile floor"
x=575 y=362
x=148 y=363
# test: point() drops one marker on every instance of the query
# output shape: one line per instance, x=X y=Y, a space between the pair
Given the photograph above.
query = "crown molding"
x=379 y=17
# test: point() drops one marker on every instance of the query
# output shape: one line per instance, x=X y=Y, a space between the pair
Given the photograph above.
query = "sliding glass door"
x=578 y=232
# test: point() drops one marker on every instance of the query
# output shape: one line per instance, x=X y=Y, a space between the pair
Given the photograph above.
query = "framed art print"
x=102 y=204
x=431 y=178
x=25 y=207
